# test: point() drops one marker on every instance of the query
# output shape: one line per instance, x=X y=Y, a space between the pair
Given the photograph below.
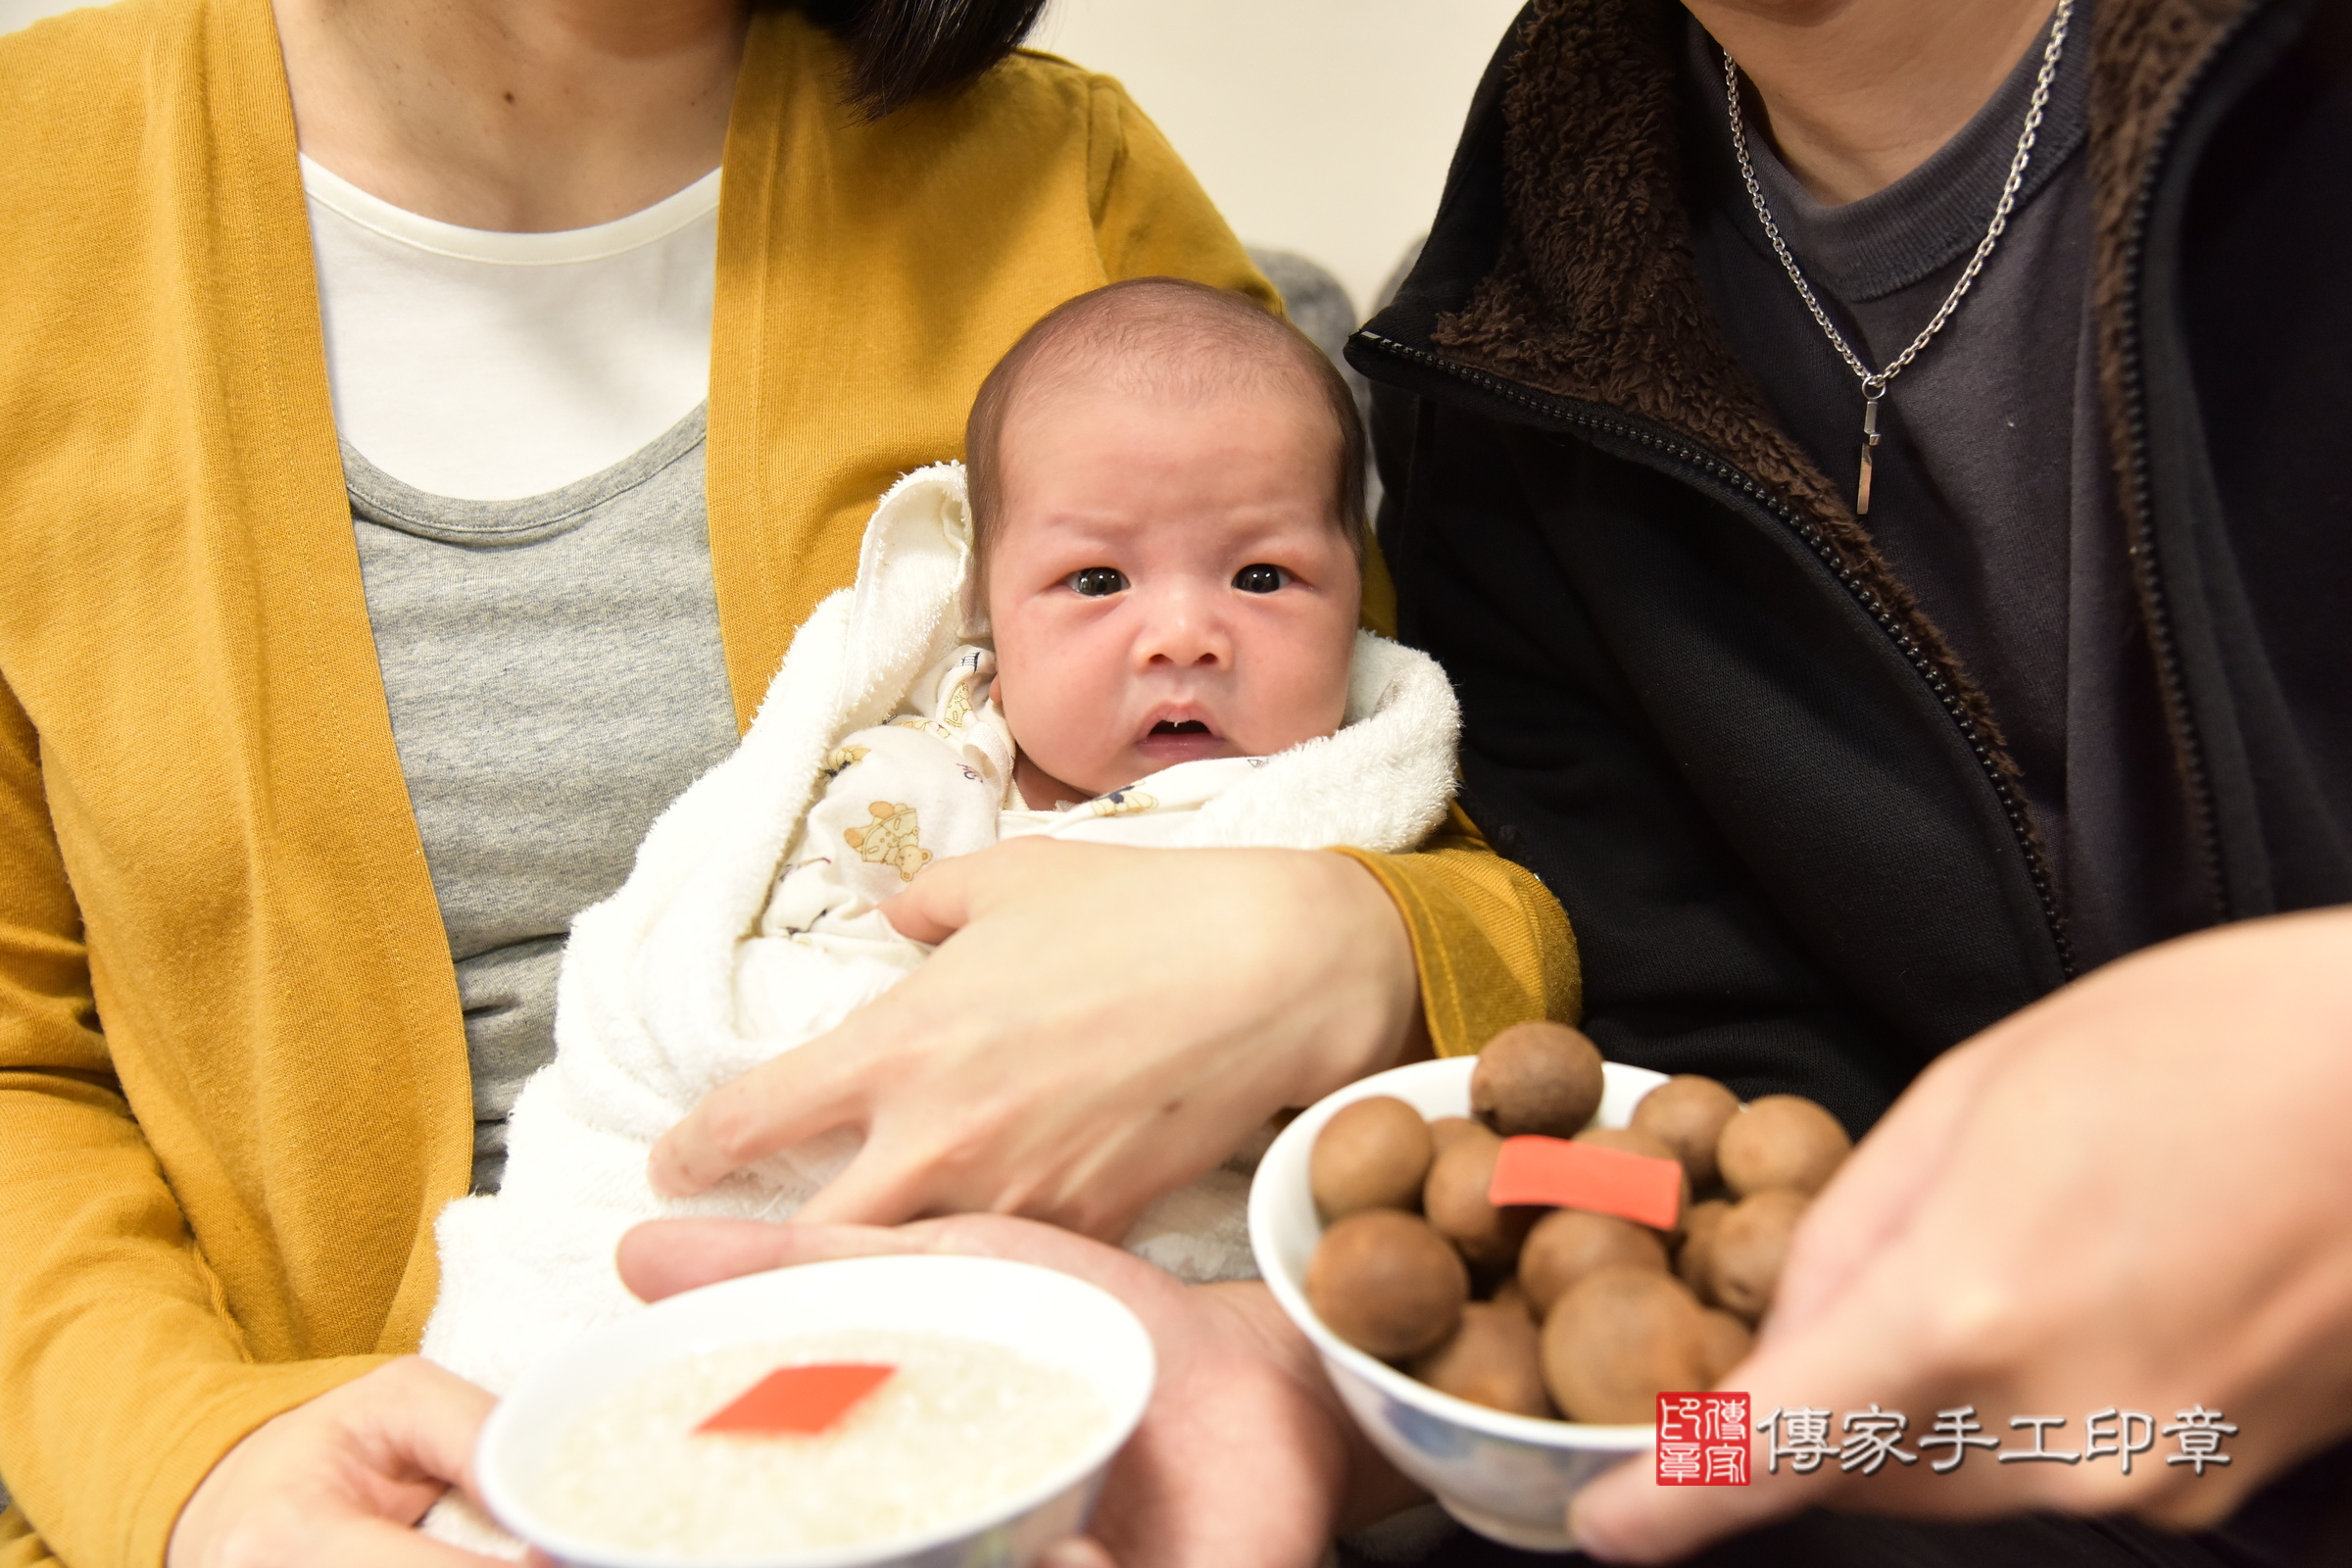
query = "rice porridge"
x=960 y=1428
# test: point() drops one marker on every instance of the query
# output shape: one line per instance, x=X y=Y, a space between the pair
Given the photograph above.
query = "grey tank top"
x=555 y=675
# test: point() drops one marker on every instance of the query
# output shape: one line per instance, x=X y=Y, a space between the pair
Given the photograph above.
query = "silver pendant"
x=1869 y=442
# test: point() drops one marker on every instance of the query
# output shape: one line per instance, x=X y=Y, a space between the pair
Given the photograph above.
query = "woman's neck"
x=515 y=115
x=1857 y=93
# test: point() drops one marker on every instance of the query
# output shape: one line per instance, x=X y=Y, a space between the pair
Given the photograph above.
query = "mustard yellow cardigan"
x=233 y=1083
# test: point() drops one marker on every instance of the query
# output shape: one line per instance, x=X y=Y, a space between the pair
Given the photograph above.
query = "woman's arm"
x=121 y=1378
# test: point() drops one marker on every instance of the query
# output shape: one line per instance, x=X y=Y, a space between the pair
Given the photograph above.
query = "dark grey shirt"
x=555 y=679
x=1993 y=497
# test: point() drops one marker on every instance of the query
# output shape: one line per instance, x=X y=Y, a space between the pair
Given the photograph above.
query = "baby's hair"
x=1167 y=334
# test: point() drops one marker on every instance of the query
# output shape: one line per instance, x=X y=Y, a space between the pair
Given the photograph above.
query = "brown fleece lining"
x=2143 y=53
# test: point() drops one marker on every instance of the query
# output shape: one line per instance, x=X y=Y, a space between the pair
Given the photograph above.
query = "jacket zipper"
x=1703 y=463
x=2204 y=823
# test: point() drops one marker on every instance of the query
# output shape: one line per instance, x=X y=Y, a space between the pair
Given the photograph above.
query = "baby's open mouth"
x=1189 y=727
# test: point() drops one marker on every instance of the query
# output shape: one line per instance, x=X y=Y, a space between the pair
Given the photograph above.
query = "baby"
x=1138 y=627
x=1166 y=505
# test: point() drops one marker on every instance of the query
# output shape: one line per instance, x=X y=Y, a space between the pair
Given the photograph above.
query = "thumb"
x=947 y=895
x=1076 y=1552
x=936 y=904
x=665 y=1256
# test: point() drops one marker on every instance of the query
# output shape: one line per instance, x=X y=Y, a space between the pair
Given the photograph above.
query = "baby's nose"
x=1181 y=631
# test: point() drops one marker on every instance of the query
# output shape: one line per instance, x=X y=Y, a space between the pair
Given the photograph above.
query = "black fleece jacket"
x=1697 y=701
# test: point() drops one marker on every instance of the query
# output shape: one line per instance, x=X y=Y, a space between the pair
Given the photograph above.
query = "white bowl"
x=1048 y=1317
x=1508 y=1477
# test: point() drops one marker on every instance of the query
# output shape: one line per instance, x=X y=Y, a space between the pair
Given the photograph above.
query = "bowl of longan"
x=1503 y=1354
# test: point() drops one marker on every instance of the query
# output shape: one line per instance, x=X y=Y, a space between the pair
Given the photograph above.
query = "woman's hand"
x=2132 y=1195
x=342 y=1478
x=1098 y=1026
x=1244 y=1458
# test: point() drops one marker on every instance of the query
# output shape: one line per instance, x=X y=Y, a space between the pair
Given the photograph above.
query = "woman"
x=358 y=566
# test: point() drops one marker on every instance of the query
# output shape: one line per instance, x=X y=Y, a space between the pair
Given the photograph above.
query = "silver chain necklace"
x=1873 y=382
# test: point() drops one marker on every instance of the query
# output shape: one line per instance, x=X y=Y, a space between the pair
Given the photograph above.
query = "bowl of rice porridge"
x=878 y=1412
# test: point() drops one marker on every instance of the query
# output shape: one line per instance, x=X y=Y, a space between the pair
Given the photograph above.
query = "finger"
x=948 y=895
x=431 y=1420
x=361 y=1542
x=663 y=1257
x=785 y=1100
x=1077 y=1551
x=937 y=903
x=874 y=1189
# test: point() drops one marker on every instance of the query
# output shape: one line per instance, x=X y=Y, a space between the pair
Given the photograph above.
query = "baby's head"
x=1168 y=498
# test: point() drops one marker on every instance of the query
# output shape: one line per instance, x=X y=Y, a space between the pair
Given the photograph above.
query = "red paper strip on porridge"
x=803 y=1400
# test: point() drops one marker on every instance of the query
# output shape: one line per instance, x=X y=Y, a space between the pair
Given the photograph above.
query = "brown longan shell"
x=1569 y=1244
x=1373 y=1153
x=1511 y=1293
x=1493 y=1357
x=1687 y=1113
x=1780 y=1142
x=1750 y=1243
x=1620 y=1339
x=1723 y=1343
x=1455 y=1200
x=1538 y=1077
x=1691 y=1258
x=1387 y=1284
x=1446 y=1131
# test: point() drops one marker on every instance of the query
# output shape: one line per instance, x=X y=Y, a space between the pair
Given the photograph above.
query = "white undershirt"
x=466 y=361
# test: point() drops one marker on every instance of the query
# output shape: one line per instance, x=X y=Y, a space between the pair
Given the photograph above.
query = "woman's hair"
x=900 y=50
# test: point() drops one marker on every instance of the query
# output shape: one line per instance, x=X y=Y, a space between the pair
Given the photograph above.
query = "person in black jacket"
x=1873 y=490
x=1979 y=806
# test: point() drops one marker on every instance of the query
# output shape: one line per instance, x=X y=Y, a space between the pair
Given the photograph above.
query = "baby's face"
x=1166 y=583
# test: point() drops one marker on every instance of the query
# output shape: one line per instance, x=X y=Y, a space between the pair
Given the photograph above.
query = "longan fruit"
x=1537 y=1077
x=1513 y=1294
x=1691 y=1260
x=1569 y=1244
x=1382 y=1280
x=1750 y=1243
x=1455 y=1200
x=1494 y=1358
x=1687 y=1113
x=1620 y=1339
x=1373 y=1153
x=1725 y=1342
x=1446 y=1131
x=1780 y=1142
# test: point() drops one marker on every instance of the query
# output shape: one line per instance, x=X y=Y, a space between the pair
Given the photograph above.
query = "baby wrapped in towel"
x=1137 y=627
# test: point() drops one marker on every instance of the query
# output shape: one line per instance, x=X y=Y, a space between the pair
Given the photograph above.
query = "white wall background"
x=1321 y=127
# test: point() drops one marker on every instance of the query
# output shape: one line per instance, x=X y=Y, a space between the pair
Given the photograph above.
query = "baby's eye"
x=1260 y=578
x=1094 y=582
